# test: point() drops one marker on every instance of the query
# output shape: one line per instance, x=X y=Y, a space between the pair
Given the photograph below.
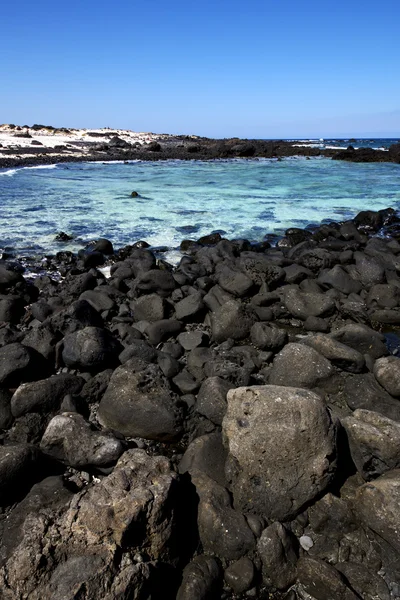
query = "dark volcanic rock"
x=91 y=348
x=200 y=580
x=140 y=403
x=18 y=466
x=44 y=396
x=232 y=320
x=20 y=363
x=299 y=365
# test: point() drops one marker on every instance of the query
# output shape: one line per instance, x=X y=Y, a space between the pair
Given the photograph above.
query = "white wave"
x=10 y=172
x=41 y=167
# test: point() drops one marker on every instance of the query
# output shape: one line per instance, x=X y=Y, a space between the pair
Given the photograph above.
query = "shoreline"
x=39 y=145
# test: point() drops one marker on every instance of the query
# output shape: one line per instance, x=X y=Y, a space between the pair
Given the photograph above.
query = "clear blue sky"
x=255 y=68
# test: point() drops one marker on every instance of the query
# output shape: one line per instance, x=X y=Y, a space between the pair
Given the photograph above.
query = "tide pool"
x=178 y=199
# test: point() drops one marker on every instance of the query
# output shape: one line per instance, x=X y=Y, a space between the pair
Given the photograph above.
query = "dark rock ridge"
x=226 y=428
x=184 y=148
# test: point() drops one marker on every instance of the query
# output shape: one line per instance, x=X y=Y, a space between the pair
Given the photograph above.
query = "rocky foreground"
x=43 y=145
x=229 y=428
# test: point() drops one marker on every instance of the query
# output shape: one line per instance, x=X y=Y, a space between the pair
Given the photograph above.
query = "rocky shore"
x=42 y=145
x=227 y=428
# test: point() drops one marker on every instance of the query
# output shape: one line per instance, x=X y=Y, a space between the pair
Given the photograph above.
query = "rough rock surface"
x=282 y=449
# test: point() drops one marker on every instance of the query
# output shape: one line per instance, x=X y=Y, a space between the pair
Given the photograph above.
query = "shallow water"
x=178 y=199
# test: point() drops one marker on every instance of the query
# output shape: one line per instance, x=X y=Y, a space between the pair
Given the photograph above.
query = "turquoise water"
x=178 y=200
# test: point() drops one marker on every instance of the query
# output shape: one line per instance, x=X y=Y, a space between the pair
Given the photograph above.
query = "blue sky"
x=271 y=68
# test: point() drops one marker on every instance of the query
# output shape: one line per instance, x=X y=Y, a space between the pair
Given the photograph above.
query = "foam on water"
x=181 y=199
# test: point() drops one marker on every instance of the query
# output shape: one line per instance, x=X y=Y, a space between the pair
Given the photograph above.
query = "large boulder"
x=282 y=449
x=139 y=402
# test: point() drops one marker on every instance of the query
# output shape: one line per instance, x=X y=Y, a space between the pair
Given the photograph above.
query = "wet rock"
x=322 y=581
x=72 y=441
x=20 y=363
x=89 y=349
x=338 y=354
x=298 y=365
x=232 y=320
x=207 y=454
x=268 y=337
x=140 y=404
x=44 y=396
x=374 y=442
x=270 y=431
x=240 y=575
x=104 y=246
x=387 y=372
x=200 y=580
x=223 y=531
x=277 y=548
x=211 y=399
x=308 y=304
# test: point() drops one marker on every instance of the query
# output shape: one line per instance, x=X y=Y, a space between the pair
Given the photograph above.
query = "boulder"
x=207 y=454
x=232 y=281
x=200 y=579
x=308 y=304
x=268 y=337
x=90 y=349
x=374 y=442
x=377 y=505
x=188 y=308
x=71 y=440
x=140 y=403
x=148 y=308
x=338 y=354
x=362 y=338
x=20 y=363
x=155 y=280
x=223 y=531
x=338 y=279
x=277 y=549
x=44 y=396
x=18 y=467
x=299 y=365
x=240 y=575
x=387 y=372
x=161 y=330
x=211 y=399
x=282 y=449
x=363 y=391
x=322 y=581
x=232 y=320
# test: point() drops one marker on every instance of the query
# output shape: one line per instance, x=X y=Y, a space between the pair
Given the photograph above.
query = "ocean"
x=241 y=198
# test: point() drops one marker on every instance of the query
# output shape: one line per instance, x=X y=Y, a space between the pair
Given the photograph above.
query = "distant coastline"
x=44 y=145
